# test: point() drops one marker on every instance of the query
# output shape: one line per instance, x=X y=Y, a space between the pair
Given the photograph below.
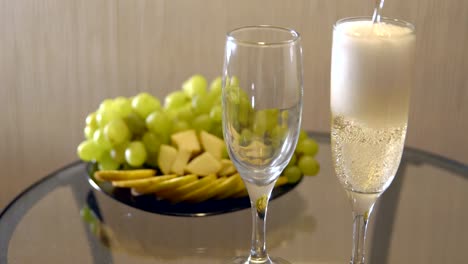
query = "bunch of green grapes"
x=127 y=132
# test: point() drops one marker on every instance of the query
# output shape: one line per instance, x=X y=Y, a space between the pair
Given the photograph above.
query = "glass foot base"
x=245 y=260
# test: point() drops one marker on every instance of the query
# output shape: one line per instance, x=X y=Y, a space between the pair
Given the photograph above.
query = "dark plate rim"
x=151 y=204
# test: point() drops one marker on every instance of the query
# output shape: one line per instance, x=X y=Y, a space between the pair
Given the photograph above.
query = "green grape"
x=91 y=120
x=234 y=94
x=216 y=113
x=216 y=86
x=135 y=123
x=195 y=86
x=239 y=106
x=217 y=129
x=293 y=174
x=261 y=204
x=259 y=128
x=201 y=104
x=245 y=110
x=159 y=123
x=117 y=132
x=170 y=113
x=244 y=116
x=122 y=106
x=202 y=122
x=232 y=82
x=284 y=117
x=175 y=100
x=135 y=154
x=215 y=98
x=185 y=112
x=265 y=120
x=118 y=152
x=166 y=138
x=89 y=132
x=216 y=91
x=106 y=162
x=152 y=142
x=152 y=159
x=101 y=139
x=144 y=104
x=105 y=116
x=278 y=134
x=292 y=161
x=307 y=146
x=180 y=126
x=106 y=105
x=302 y=135
x=245 y=137
x=88 y=150
x=308 y=165
x=126 y=166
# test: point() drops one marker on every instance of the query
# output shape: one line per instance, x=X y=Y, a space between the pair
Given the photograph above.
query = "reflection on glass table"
x=420 y=219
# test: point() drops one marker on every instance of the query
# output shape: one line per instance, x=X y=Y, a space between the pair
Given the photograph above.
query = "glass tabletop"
x=421 y=218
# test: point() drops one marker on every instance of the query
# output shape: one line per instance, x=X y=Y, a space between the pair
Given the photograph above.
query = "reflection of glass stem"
x=96 y=227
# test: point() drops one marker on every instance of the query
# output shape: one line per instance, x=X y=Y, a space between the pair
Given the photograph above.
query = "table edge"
x=437 y=159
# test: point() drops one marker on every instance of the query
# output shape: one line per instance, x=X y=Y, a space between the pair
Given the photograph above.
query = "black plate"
x=151 y=203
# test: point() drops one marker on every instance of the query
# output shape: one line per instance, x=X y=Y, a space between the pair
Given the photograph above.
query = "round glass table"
x=421 y=218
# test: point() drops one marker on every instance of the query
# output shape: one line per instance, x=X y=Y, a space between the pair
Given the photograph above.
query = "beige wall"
x=60 y=58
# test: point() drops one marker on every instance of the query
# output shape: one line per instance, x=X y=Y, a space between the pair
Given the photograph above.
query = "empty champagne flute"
x=262 y=107
x=371 y=78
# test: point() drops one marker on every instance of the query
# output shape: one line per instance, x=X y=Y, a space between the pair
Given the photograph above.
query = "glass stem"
x=362 y=208
x=259 y=197
x=359 y=238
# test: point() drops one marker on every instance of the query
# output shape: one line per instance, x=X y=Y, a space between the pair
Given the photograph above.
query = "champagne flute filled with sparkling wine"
x=371 y=78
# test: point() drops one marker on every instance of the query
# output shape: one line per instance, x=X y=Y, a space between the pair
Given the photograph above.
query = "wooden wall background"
x=60 y=58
